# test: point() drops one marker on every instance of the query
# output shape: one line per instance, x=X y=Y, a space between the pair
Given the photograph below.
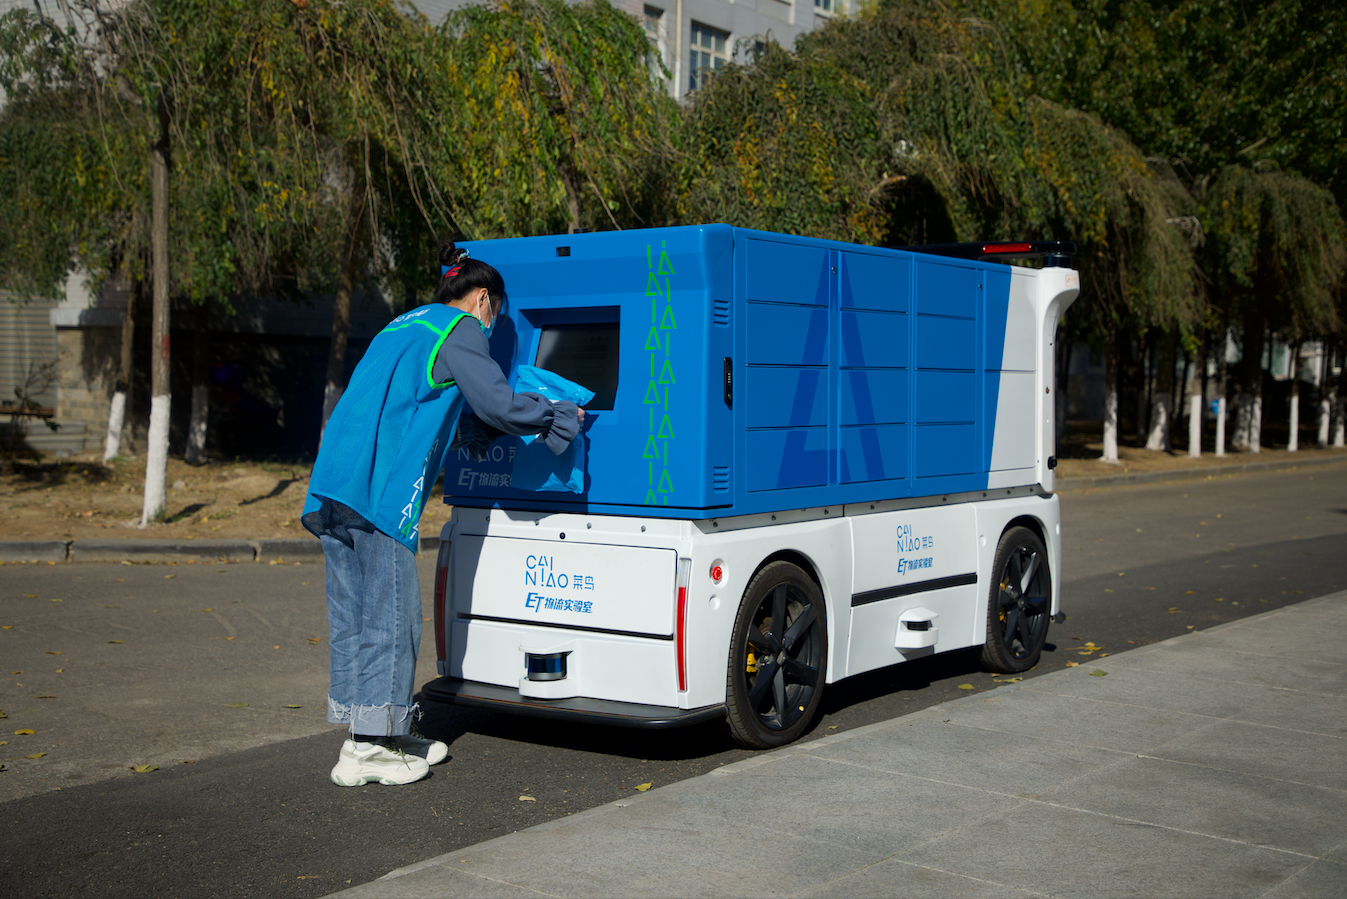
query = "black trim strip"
x=587 y=711
x=940 y=583
x=567 y=627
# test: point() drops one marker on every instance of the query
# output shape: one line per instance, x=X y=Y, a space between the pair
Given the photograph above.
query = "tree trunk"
x=1340 y=402
x=1325 y=398
x=1111 y=360
x=1157 y=437
x=1222 y=369
x=1292 y=370
x=1195 y=426
x=196 y=431
x=121 y=390
x=341 y=310
x=156 y=453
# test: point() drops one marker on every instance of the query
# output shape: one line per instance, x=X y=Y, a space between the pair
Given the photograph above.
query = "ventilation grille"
x=720 y=479
x=720 y=313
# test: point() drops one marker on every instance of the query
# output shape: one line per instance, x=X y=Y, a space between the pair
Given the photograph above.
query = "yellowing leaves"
x=26 y=732
x=641 y=788
x=144 y=769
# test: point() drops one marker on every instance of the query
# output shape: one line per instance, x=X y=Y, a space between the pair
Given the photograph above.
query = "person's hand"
x=582 y=415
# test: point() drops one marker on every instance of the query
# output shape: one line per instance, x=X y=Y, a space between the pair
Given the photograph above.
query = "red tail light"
x=681 y=628
x=1008 y=248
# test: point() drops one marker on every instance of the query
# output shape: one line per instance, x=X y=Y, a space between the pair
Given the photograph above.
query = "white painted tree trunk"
x=1340 y=429
x=1293 y=441
x=112 y=446
x=1157 y=438
x=1325 y=419
x=1256 y=424
x=156 y=461
x=1111 y=427
x=1243 y=415
x=1195 y=426
x=1220 y=427
x=196 y=429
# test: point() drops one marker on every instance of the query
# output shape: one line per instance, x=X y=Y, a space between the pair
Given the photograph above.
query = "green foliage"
x=550 y=119
x=909 y=112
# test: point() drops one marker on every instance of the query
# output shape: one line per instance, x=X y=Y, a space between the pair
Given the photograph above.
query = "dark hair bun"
x=450 y=254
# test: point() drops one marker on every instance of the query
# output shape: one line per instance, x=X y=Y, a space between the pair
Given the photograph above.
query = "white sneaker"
x=361 y=763
x=418 y=744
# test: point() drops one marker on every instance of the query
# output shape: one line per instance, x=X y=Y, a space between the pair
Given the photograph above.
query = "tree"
x=552 y=120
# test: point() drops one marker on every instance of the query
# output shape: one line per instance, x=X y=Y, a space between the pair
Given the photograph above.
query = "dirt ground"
x=80 y=498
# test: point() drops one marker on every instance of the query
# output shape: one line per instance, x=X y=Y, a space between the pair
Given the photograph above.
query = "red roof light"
x=1008 y=248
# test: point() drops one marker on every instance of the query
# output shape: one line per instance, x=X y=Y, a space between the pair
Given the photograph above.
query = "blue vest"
x=385 y=443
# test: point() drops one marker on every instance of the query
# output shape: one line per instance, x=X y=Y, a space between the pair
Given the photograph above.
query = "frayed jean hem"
x=388 y=720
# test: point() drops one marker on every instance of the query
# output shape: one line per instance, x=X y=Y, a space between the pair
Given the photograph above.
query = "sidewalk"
x=1213 y=764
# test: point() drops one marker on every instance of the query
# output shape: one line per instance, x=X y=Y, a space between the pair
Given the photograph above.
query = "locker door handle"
x=729 y=383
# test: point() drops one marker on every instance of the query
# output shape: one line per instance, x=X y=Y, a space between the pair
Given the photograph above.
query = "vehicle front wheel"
x=1019 y=605
x=778 y=658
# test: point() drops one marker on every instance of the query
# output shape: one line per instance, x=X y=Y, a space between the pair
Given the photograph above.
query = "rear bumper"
x=588 y=711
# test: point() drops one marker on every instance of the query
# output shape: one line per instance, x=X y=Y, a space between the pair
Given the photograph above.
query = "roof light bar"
x=1054 y=253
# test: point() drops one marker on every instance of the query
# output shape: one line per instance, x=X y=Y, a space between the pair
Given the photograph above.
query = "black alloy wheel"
x=1020 y=602
x=778 y=658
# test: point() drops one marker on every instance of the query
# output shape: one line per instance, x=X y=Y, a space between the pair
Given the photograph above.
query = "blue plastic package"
x=536 y=467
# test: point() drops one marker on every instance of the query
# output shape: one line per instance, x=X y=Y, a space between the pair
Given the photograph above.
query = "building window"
x=708 y=54
x=657 y=55
x=828 y=6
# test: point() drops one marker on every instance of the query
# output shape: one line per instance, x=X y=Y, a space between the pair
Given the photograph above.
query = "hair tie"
x=448 y=271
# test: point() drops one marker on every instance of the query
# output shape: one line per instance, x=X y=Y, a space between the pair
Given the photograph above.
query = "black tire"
x=778 y=658
x=1020 y=602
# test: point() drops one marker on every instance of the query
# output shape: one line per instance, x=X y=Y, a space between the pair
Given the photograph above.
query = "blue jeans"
x=374 y=617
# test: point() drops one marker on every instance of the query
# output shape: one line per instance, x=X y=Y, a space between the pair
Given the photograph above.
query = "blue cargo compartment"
x=858 y=373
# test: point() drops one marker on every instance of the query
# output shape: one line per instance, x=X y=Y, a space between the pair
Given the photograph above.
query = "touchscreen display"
x=586 y=354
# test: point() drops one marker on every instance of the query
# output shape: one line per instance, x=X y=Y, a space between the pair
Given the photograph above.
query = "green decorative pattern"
x=659 y=343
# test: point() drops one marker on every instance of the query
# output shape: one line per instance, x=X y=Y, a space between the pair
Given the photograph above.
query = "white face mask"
x=488 y=328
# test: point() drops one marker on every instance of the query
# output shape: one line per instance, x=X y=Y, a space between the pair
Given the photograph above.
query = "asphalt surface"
x=253 y=812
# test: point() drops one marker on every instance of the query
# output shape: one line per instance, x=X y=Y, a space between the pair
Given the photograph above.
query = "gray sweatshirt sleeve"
x=465 y=358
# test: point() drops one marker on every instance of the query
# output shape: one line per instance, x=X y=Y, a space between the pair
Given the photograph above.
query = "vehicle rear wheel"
x=778 y=658
x=1019 y=605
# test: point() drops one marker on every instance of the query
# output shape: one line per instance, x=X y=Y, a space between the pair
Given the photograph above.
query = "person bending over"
x=382 y=450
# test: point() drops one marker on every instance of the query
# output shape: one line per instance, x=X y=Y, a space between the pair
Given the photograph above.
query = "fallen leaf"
x=169 y=576
x=1102 y=654
x=7 y=627
x=226 y=638
x=112 y=607
x=16 y=672
x=125 y=562
x=1108 y=589
x=315 y=639
x=293 y=706
x=144 y=769
x=46 y=697
x=53 y=652
x=189 y=761
x=237 y=705
x=965 y=686
x=1011 y=680
x=116 y=641
x=832 y=727
x=1097 y=673
x=1220 y=599
x=1188 y=592
x=641 y=788
x=1073 y=664
x=208 y=610
x=1191 y=626
x=31 y=595
x=25 y=732
x=521 y=798
x=60 y=600
x=35 y=755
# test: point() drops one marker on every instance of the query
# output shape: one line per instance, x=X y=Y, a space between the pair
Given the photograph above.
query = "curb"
x=1188 y=474
x=308 y=550
x=270 y=551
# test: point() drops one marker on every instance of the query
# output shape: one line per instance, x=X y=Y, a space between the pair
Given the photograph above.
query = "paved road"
x=253 y=813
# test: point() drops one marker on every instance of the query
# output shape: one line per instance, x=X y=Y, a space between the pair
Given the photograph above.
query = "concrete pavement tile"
x=832 y=802
x=1182 y=663
x=1316 y=713
x=435 y=882
x=1020 y=765
x=1306 y=758
x=897 y=878
x=1080 y=721
x=664 y=848
x=1065 y=853
x=1149 y=688
x=1320 y=880
x=1227 y=804
x=1281 y=635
